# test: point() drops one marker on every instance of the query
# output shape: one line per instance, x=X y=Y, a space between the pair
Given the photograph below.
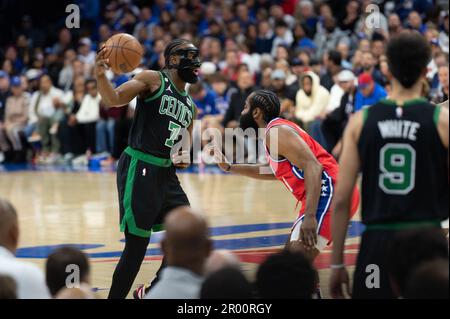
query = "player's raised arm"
x=146 y=80
x=292 y=147
x=348 y=171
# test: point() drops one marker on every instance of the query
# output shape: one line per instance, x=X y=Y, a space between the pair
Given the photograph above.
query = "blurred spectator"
x=4 y=94
x=16 y=113
x=57 y=266
x=283 y=36
x=442 y=91
x=369 y=92
x=409 y=249
x=237 y=100
x=311 y=99
x=64 y=42
x=286 y=275
x=186 y=246
x=266 y=36
x=368 y=63
x=220 y=259
x=332 y=62
x=429 y=281
x=415 y=22
x=8 y=287
x=328 y=36
x=85 y=53
x=29 y=278
x=352 y=12
x=87 y=115
x=285 y=93
x=223 y=92
x=45 y=112
x=443 y=35
x=394 y=25
x=226 y=283
x=334 y=123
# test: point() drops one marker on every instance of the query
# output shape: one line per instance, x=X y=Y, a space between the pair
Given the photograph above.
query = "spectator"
x=286 y=275
x=186 y=246
x=220 y=259
x=368 y=29
x=29 y=279
x=45 y=111
x=237 y=100
x=368 y=66
x=352 y=12
x=222 y=91
x=85 y=54
x=57 y=265
x=369 y=92
x=4 y=94
x=311 y=100
x=442 y=92
x=284 y=92
x=283 y=36
x=328 y=36
x=334 y=123
x=64 y=41
x=429 y=281
x=87 y=115
x=70 y=70
x=394 y=25
x=332 y=62
x=226 y=283
x=16 y=113
x=415 y=22
x=443 y=35
x=411 y=248
x=266 y=36
x=8 y=287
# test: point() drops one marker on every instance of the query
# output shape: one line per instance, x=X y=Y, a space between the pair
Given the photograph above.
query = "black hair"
x=286 y=275
x=90 y=80
x=429 y=281
x=268 y=102
x=57 y=262
x=227 y=283
x=335 y=56
x=410 y=248
x=170 y=49
x=408 y=55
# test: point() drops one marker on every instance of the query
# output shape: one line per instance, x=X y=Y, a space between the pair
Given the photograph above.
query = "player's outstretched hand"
x=219 y=158
x=308 y=231
x=101 y=64
x=338 y=278
x=181 y=159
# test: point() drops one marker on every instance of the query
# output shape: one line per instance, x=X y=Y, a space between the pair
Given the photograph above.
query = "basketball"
x=124 y=52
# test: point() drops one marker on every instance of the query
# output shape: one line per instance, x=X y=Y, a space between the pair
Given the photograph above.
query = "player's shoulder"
x=149 y=77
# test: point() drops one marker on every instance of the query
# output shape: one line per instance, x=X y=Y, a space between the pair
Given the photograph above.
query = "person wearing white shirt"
x=45 y=110
x=88 y=114
x=29 y=279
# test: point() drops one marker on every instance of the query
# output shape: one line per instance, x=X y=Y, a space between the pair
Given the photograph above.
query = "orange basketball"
x=124 y=52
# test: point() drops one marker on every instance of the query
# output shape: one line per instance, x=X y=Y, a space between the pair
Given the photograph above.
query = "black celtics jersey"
x=404 y=163
x=160 y=119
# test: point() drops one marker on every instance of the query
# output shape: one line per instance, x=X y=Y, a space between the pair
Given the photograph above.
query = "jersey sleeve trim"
x=161 y=89
x=437 y=111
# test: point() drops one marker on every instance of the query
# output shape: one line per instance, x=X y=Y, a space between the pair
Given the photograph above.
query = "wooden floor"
x=58 y=208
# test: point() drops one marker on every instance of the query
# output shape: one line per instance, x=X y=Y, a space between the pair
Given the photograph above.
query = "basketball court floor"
x=58 y=207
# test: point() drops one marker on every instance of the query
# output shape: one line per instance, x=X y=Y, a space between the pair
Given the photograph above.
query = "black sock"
x=128 y=266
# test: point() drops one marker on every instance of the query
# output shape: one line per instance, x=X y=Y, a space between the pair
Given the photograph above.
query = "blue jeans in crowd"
x=105 y=135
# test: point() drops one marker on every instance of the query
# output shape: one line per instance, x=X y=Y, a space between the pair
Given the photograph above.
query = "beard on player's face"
x=247 y=121
x=188 y=75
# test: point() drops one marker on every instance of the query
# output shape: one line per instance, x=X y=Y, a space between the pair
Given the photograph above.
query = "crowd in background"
x=324 y=59
x=195 y=270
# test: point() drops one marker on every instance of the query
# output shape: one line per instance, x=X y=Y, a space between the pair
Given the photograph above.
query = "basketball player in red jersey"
x=297 y=160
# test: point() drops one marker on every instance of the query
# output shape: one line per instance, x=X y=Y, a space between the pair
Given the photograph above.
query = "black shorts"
x=373 y=252
x=148 y=188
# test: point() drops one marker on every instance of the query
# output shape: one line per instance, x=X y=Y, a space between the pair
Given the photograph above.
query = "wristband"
x=337 y=266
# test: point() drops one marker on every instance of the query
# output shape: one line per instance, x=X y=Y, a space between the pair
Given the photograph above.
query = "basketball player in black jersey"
x=146 y=181
x=401 y=146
